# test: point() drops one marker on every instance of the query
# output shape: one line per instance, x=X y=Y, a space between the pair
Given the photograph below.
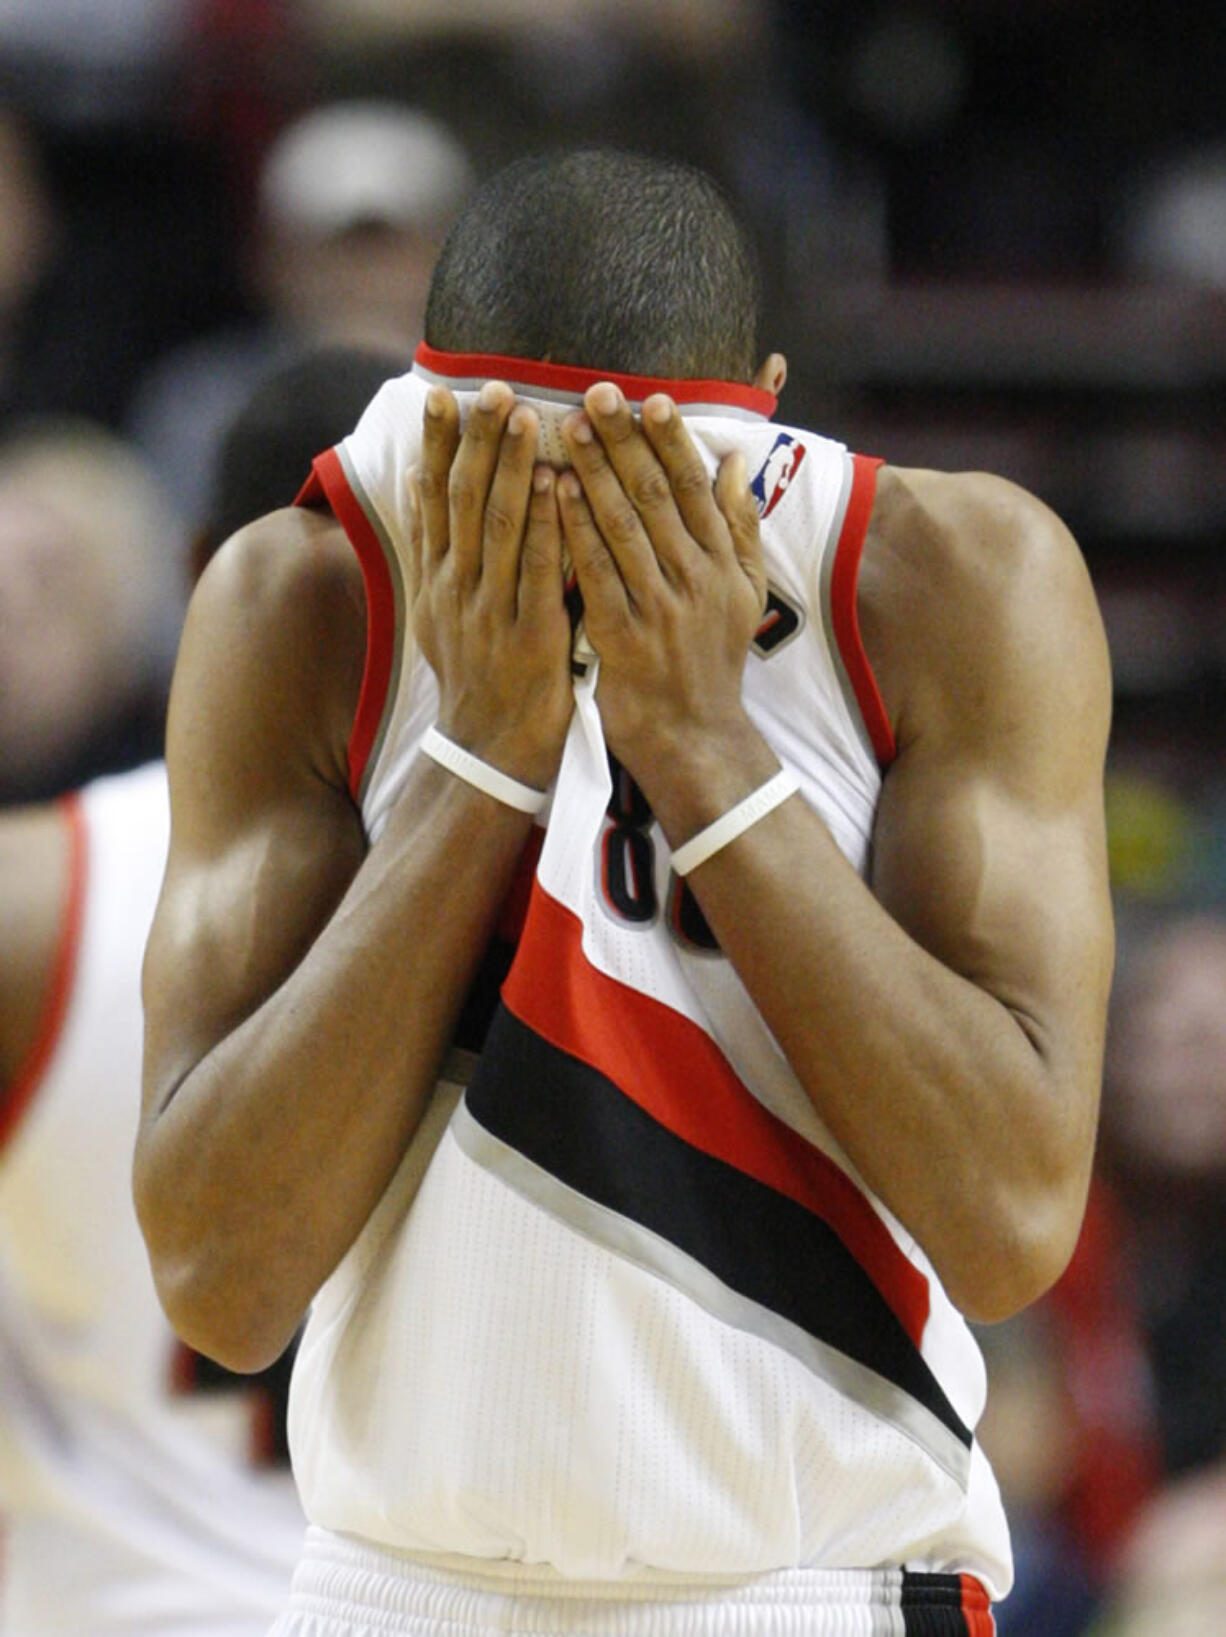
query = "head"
x=91 y=596
x=608 y=260
x=267 y=449
x=354 y=201
x=1164 y=1108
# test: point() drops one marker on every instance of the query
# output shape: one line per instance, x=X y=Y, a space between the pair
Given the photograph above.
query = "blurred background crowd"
x=994 y=236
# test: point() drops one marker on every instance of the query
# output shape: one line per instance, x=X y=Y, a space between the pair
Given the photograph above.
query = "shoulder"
x=294 y=565
x=973 y=530
x=974 y=594
x=276 y=633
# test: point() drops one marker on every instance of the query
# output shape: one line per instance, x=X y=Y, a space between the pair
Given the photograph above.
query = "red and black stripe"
x=633 y=1106
x=577 y=1125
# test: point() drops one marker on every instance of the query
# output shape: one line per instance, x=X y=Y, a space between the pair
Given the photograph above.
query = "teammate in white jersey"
x=653 y=1320
x=141 y=1494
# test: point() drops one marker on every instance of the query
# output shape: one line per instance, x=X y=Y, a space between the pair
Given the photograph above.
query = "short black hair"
x=294 y=414
x=605 y=259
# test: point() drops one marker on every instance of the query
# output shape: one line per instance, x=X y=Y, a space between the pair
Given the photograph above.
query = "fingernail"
x=518 y=423
x=568 y=486
x=604 y=399
x=491 y=394
x=435 y=402
x=542 y=479
x=658 y=408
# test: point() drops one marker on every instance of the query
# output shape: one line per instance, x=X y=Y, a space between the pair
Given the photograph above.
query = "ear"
x=772 y=373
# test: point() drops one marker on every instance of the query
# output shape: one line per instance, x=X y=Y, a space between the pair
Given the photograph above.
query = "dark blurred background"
x=994 y=237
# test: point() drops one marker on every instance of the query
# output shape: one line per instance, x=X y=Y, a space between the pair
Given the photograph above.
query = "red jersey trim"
x=843 y=581
x=976 y=1608
x=657 y=1057
x=574 y=380
x=63 y=975
x=328 y=480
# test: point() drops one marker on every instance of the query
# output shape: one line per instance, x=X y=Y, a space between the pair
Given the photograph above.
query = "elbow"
x=243 y=1337
x=208 y=1302
x=1024 y=1201
x=1013 y=1259
x=1011 y=1287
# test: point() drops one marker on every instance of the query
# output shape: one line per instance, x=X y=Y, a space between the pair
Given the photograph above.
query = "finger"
x=647 y=483
x=736 y=504
x=416 y=534
x=682 y=463
x=609 y=508
x=540 y=562
x=472 y=472
x=506 y=505
x=440 y=435
x=601 y=586
x=631 y=456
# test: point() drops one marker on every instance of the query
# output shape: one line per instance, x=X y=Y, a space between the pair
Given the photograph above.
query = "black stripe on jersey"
x=575 y=1124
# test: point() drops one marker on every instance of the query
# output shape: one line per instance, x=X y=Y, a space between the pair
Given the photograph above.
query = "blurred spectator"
x=1107 y=1420
x=1164 y=1145
x=91 y=597
x=354 y=200
x=305 y=402
x=1172 y=1582
x=1173 y=223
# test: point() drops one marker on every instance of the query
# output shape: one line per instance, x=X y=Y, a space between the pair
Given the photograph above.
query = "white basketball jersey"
x=627 y=1309
x=125 y=1508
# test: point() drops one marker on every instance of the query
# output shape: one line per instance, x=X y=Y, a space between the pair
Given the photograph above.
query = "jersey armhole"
x=844 y=580
x=329 y=485
x=30 y=1075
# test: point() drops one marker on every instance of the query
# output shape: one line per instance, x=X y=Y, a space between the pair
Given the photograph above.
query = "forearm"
x=260 y=1168
x=941 y=1094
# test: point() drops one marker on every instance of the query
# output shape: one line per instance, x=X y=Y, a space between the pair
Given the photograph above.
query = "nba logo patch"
x=776 y=473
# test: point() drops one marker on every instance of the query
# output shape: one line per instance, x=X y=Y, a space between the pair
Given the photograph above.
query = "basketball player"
x=651 y=1318
x=138 y=1493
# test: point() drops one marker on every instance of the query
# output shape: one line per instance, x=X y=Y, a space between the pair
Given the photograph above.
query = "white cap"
x=356 y=162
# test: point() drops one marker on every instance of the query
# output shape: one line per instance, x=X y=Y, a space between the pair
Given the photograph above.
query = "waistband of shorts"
x=353 y=1582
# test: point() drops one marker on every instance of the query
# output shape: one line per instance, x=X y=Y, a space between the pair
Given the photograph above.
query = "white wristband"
x=474 y=771
x=734 y=822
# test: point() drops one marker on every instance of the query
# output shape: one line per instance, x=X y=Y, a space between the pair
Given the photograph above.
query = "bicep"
x=1008 y=892
x=990 y=844
x=265 y=837
x=235 y=918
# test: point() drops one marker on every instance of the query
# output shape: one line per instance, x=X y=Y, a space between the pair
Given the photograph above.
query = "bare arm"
x=301 y=990
x=947 y=1023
